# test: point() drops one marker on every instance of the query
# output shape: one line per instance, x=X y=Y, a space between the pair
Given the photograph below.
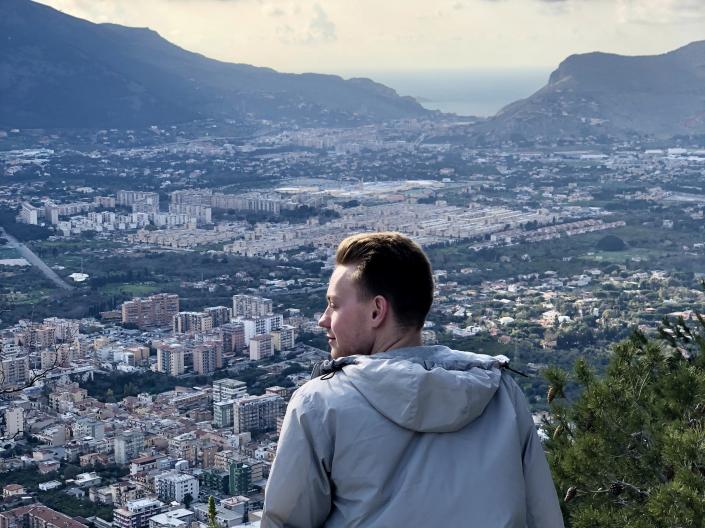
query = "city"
x=171 y=381
x=176 y=178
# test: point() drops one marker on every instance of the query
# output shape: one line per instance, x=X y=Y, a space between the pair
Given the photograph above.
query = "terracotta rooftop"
x=46 y=514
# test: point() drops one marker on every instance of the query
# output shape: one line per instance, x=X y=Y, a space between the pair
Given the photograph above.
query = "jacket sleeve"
x=542 y=507
x=298 y=493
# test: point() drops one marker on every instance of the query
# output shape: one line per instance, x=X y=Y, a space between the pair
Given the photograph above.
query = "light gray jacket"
x=412 y=437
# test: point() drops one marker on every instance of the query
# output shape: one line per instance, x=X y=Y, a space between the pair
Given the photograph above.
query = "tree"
x=611 y=243
x=629 y=451
x=188 y=499
x=212 y=512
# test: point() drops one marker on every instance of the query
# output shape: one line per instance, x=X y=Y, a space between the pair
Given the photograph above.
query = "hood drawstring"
x=327 y=368
x=514 y=370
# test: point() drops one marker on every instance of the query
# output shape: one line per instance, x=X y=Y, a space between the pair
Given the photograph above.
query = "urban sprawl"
x=161 y=289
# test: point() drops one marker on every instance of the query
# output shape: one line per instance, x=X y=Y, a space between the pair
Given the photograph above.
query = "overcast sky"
x=348 y=36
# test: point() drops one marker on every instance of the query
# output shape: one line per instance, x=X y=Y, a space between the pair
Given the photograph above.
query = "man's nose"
x=324 y=320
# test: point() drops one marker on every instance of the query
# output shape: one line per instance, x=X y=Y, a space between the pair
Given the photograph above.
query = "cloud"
x=660 y=12
x=273 y=10
x=319 y=28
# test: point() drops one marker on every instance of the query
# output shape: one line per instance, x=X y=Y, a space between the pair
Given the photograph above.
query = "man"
x=395 y=434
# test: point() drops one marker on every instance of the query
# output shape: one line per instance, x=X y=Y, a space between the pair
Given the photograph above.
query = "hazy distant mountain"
x=600 y=93
x=61 y=71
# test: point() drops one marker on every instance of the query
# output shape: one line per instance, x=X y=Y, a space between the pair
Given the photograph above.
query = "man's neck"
x=398 y=340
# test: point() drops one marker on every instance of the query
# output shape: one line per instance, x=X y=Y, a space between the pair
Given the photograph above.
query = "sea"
x=464 y=92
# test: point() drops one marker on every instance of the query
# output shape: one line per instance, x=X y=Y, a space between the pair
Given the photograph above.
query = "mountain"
x=58 y=71
x=607 y=94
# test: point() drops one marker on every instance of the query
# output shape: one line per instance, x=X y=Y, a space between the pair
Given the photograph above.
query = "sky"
x=355 y=37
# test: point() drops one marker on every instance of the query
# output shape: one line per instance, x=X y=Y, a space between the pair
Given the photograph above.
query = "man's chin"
x=336 y=353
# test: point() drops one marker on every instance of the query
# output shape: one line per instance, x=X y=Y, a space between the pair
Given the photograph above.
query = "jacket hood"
x=427 y=389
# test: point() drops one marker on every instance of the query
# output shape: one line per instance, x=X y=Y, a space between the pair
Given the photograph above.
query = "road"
x=34 y=260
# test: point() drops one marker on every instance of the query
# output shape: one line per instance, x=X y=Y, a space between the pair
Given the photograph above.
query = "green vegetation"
x=314 y=340
x=74 y=507
x=663 y=248
x=212 y=512
x=611 y=243
x=29 y=478
x=116 y=386
x=139 y=289
x=118 y=274
x=628 y=451
x=22 y=232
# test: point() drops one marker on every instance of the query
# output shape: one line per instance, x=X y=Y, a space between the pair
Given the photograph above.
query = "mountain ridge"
x=62 y=71
x=601 y=93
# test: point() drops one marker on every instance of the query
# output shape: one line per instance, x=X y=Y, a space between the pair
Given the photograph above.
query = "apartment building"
x=207 y=359
x=223 y=413
x=257 y=413
x=156 y=310
x=173 y=486
x=251 y=306
x=228 y=389
x=14 y=421
x=136 y=513
x=37 y=516
x=128 y=198
x=233 y=336
x=284 y=338
x=261 y=347
x=220 y=315
x=29 y=214
x=191 y=322
x=170 y=358
x=128 y=445
x=14 y=370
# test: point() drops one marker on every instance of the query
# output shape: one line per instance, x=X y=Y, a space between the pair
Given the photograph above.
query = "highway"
x=34 y=260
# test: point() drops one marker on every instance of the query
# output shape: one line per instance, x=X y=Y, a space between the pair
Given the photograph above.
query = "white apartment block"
x=223 y=413
x=191 y=197
x=260 y=325
x=228 y=389
x=251 y=306
x=202 y=214
x=14 y=421
x=181 y=518
x=130 y=197
x=174 y=486
x=89 y=427
x=29 y=214
x=136 y=513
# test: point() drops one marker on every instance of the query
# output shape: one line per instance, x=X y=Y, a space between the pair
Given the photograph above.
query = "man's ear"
x=380 y=310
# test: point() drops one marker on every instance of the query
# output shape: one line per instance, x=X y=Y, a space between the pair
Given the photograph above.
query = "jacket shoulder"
x=324 y=393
